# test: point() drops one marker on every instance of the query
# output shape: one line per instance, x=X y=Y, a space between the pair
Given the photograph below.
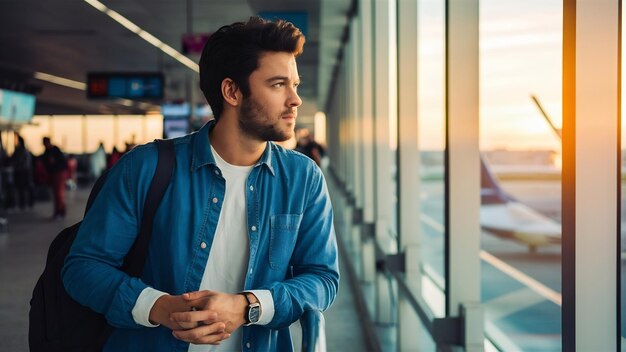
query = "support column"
x=385 y=110
x=408 y=170
x=591 y=182
x=368 y=266
x=462 y=169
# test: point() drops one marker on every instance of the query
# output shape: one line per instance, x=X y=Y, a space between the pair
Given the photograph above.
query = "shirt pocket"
x=284 y=232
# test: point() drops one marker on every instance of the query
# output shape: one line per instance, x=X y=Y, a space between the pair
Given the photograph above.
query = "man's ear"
x=230 y=92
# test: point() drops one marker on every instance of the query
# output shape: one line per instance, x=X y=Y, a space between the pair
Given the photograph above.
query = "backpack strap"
x=136 y=257
x=95 y=190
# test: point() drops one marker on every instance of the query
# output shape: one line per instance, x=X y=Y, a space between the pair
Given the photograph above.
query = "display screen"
x=125 y=85
x=16 y=107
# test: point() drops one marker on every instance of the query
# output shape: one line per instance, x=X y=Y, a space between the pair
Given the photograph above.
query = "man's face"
x=269 y=113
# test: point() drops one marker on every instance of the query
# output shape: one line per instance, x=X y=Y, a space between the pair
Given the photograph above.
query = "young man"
x=244 y=232
x=56 y=165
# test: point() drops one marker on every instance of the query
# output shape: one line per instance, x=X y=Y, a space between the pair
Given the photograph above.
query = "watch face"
x=254 y=313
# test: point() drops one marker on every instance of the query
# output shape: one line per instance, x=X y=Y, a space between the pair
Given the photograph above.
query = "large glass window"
x=520 y=97
x=431 y=122
x=78 y=134
x=66 y=132
x=100 y=131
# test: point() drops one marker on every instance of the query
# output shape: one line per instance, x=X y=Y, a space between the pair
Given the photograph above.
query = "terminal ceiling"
x=69 y=38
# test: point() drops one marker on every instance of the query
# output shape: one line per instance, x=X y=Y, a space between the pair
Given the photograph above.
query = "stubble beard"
x=255 y=122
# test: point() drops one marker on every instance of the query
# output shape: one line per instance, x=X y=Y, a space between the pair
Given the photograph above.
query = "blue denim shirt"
x=293 y=249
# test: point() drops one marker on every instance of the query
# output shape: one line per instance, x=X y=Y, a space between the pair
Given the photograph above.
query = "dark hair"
x=233 y=52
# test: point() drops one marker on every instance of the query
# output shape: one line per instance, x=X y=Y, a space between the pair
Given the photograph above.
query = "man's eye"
x=279 y=85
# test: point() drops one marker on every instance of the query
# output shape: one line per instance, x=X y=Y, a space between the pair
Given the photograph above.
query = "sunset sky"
x=520 y=55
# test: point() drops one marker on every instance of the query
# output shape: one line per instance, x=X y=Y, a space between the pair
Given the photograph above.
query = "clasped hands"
x=201 y=317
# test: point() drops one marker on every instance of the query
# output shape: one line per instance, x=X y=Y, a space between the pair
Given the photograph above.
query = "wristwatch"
x=253 y=311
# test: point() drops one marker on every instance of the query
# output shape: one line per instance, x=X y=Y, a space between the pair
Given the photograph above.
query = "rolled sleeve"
x=267 y=305
x=144 y=304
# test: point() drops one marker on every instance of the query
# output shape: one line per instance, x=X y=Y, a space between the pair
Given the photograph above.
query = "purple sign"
x=193 y=43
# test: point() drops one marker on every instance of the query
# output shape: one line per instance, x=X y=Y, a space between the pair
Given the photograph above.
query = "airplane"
x=556 y=130
x=505 y=217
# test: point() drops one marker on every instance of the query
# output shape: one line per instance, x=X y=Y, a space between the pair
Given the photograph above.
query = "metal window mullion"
x=357 y=110
x=332 y=124
x=367 y=55
x=349 y=119
x=341 y=117
x=384 y=110
x=408 y=170
x=368 y=264
x=351 y=113
x=590 y=175
x=462 y=171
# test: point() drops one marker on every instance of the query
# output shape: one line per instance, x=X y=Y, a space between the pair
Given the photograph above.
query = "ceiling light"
x=60 y=80
x=145 y=35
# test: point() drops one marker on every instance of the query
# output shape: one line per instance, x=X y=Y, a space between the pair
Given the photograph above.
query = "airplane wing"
x=519 y=222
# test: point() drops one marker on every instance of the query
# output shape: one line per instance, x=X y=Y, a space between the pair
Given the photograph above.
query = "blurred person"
x=22 y=161
x=113 y=158
x=98 y=162
x=55 y=163
x=208 y=272
x=130 y=144
x=72 y=172
x=308 y=146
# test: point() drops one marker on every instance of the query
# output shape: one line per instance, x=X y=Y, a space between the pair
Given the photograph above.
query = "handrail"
x=444 y=331
x=313 y=331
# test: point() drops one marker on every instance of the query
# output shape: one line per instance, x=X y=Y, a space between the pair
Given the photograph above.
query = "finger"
x=211 y=333
x=190 y=296
x=206 y=316
x=187 y=326
x=210 y=340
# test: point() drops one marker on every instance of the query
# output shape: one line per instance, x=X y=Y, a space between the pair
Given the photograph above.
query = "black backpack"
x=57 y=322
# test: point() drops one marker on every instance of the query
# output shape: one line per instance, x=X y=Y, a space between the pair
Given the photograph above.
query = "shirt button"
x=217 y=172
x=250 y=270
x=251 y=188
x=203 y=245
x=247 y=344
x=253 y=228
x=214 y=199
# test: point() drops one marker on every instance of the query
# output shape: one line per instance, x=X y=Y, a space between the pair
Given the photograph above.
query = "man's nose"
x=294 y=99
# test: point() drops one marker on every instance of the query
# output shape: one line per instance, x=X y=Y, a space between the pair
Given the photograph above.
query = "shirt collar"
x=202 y=154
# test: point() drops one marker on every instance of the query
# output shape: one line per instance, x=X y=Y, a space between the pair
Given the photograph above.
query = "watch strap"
x=246 y=314
x=245 y=294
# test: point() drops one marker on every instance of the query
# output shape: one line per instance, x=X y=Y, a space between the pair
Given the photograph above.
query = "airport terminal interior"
x=472 y=151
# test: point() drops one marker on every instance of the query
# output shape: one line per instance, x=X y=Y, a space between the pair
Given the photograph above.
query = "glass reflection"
x=431 y=122
x=520 y=97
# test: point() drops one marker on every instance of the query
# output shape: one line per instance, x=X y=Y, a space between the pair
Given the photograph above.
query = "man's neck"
x=233 y=146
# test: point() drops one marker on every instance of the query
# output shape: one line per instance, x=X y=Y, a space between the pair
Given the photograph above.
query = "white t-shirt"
x=227 y=263
x=228 y=260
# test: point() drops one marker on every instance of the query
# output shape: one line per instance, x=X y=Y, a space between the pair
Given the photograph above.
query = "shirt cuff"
x=267 y=305
x=143 y=305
